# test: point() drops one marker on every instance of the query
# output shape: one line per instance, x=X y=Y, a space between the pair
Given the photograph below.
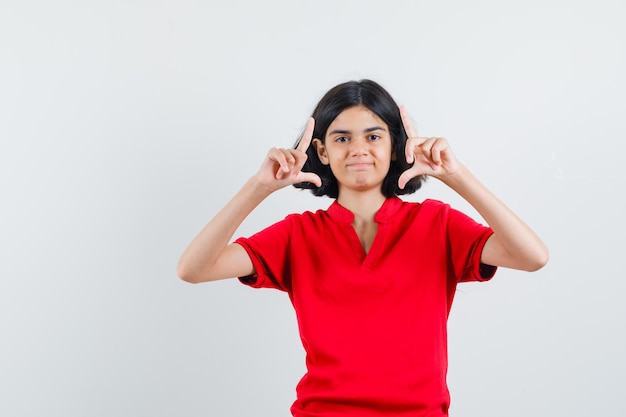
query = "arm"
x=513 y=244
x=209 y=256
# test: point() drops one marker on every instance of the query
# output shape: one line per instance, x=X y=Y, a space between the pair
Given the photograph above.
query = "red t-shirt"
x=373 y=325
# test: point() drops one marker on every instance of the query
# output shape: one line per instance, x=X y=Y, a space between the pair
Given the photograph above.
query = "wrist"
x=457 y=178
x=255 y=190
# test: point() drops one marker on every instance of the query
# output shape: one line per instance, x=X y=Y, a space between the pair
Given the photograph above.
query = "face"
x=357 y=147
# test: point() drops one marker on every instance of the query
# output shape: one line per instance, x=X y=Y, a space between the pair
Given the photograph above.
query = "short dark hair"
x=373 y=96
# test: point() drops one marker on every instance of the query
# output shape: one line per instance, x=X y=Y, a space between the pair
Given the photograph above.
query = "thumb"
x=309 y=177
x=407 y=176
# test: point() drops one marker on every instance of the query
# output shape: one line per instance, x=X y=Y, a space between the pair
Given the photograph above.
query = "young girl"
x=371 y=278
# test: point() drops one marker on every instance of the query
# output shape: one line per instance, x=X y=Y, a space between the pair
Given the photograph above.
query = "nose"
x=359 y=147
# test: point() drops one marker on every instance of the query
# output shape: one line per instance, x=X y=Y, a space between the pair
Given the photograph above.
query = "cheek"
x=386 y=154
x=335 y=163
x=335 y=156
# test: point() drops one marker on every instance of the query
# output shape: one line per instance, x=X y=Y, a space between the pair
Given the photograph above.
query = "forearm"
x=199 y=259
x=514 y=244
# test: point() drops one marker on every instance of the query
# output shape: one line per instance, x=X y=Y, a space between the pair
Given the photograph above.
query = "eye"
x=341 y=139
x=374 y=137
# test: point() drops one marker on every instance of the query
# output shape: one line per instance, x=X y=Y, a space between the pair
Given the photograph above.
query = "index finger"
x=406 y=121
x=307 y=136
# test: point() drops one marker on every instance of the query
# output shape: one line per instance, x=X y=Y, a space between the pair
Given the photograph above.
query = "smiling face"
x=357 y=147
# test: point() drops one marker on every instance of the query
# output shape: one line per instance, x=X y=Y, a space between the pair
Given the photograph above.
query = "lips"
x=360 y=165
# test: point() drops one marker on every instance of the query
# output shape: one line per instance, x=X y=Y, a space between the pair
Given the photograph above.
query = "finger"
x=411 y=132
x=280 y=158
x=426 y=150
x=410 y=147
x=307 y=136
x=436 y=149
x=406 y=121
x=289 y=158
x=433 y=150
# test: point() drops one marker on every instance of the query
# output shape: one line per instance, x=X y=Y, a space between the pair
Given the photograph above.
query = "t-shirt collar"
x=341 y=214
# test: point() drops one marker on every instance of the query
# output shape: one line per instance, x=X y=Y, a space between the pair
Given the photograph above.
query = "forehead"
x=357 y=118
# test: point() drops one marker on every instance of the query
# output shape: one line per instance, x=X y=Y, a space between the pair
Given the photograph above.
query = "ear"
x=321 y=151
x=393 y=156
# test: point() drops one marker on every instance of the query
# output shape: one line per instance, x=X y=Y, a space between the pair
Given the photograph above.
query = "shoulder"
x=443 y=211
x=425 y=208
x=430 y=213
x=435 y=204
x=306 y=215
x=306 y=218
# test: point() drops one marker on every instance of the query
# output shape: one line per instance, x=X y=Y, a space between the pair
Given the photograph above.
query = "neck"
x=363 y=205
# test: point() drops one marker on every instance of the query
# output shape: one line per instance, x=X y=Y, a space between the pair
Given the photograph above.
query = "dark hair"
x=373 y=96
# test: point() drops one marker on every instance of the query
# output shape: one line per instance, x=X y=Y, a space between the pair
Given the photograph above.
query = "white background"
x=125 y=125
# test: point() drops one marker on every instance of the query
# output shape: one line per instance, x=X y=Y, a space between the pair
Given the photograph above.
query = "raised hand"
x=429 y=156
x=283 y=167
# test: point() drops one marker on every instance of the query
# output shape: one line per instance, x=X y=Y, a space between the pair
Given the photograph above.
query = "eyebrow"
x=347 y=132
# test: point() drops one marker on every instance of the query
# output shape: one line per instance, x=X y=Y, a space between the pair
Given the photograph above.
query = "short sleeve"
x=269 y=252
x=466 y=240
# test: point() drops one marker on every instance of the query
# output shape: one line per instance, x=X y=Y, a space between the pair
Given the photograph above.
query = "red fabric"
x=373 y=326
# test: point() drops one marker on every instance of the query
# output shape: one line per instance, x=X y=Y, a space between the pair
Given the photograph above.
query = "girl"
x=371 y=278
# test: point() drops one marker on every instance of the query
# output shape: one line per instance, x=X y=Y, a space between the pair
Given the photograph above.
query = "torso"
x=372 y=300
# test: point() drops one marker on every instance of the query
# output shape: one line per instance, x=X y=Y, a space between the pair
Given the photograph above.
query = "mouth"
x=361 y=165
